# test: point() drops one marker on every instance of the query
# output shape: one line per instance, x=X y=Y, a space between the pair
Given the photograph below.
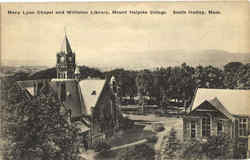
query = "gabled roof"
x=79 y=97
x=91 y=90
x=235 y=102
x=72 y=96
x=29 y=85
x=18 y=93
x=216 y=103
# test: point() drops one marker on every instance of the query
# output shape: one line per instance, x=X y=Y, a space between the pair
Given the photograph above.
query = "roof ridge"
x=237 y=89
x=223 y=109
x=83 y=106
x=101 y=92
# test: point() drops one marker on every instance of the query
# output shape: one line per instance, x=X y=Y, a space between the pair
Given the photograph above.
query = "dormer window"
x=93 y=92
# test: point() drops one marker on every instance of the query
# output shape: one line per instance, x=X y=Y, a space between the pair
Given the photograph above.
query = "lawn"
x=136 y=133
x=168 y=122
x=141 y=130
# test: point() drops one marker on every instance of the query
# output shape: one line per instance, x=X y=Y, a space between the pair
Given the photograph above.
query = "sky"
x=123 y=40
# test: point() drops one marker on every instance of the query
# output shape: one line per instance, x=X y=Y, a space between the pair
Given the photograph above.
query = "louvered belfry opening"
x=65 y=64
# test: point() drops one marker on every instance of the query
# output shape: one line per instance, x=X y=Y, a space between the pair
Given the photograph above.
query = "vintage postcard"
x=125 y=80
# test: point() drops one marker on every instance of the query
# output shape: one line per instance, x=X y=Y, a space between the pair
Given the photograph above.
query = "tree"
x=231 y=74
x=125 y=81
x=127 y=84
x=208 y=77
x=187 y=84
x=232 y=67
x=162 y=75
x=144 y=83
x=175 y=77
x=36 y=129
x=243 y=77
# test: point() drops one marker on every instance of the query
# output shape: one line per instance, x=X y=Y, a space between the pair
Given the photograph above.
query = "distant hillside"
x=217 y=58
x=150 y=59
x=11 y=70
x=44 y=74
x=51 y=73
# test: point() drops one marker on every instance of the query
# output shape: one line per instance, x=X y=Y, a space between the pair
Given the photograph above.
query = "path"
x=159 y=144
x=90 y=154
x=148 y=121
x=168 y=123
x=162 y=142
x=129 y=145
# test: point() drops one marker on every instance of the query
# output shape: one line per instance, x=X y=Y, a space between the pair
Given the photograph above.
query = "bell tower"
x=65 y=61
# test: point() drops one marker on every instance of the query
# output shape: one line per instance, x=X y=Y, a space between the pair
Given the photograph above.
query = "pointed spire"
x=77 y=70
x=66 y=48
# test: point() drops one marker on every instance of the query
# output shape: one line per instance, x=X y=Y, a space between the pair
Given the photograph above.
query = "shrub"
x=102 y=147
x=158 y=127
x=172 y=146
x=216 y=147
x=152 y=139
x=192 y=150
x=140 y=152
x=126 y=123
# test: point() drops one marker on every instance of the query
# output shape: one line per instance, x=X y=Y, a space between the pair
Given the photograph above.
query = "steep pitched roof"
x=29 y=85
x=66 y=48
x=216 y=103
x=91 y=90
x=18 y=93
x=236 y=102
x=79 y=97
x=72 y=95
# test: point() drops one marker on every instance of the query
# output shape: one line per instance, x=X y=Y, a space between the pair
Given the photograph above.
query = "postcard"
x=125 y=80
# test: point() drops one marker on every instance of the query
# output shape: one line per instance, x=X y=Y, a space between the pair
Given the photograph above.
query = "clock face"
x=62 y=59
x=70 y=59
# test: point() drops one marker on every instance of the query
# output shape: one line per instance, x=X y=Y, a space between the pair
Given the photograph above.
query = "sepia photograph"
x=125 y=81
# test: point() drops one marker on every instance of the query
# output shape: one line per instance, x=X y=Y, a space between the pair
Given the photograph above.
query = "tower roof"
x=66 y=48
